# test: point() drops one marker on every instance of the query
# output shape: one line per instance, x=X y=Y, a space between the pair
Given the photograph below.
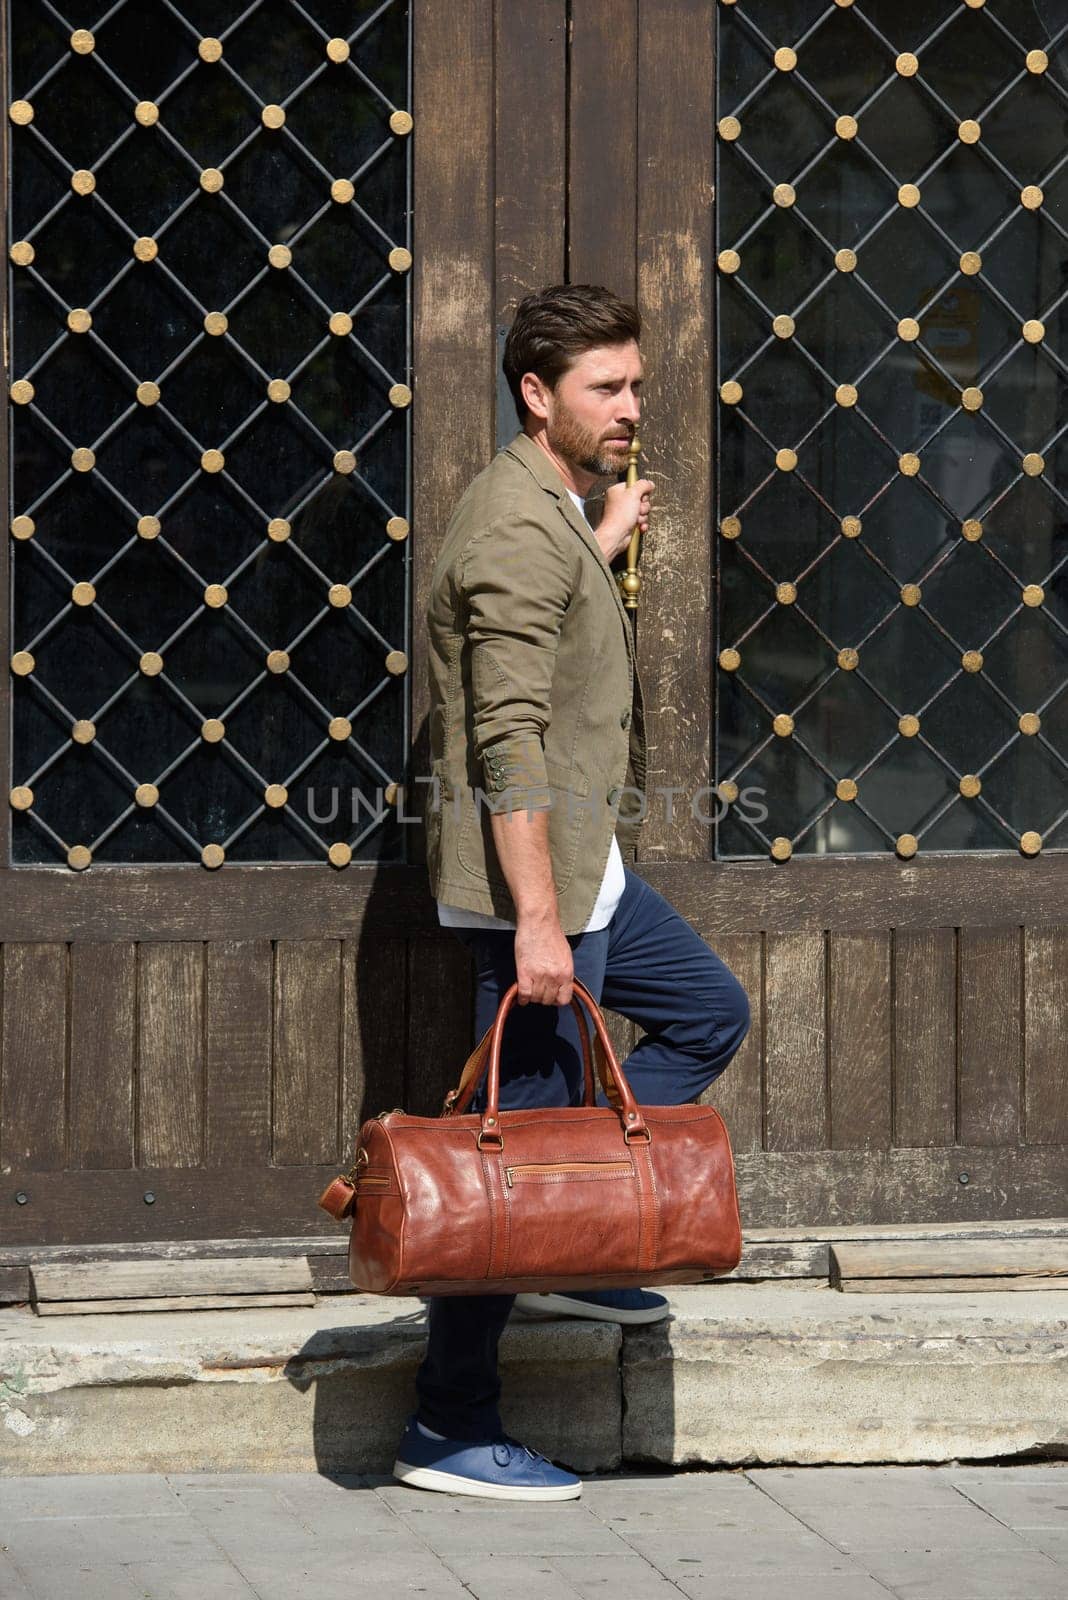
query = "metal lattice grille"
x=210 y=429
x=892 y=439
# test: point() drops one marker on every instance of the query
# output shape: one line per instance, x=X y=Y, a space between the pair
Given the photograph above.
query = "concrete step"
x=744 y=1373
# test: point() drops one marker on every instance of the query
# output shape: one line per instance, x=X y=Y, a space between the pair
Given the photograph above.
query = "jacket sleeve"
x=516 y=581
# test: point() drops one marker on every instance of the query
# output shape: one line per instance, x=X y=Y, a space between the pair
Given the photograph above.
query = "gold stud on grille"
x=1031 y=197
x=83 y=459
x=728 y=261
x=22 y=663
x=907 y=64
x=396 y=663
x=727 y=791
x=209 y=49
x=272 y=116
x=1030 y=842
x=278 y=530
x=82 y=181
x=22 y=253
x=975 y=5
x=908 y=328
x=148 y=527
x=344 y=461
x=846 y=127
x=279 y=255
x=1033 y=464
x=213 y=461
x=785 y=58
x=212 y=856
x=278 y=661
x=1030 y=722
x=83 y=594
x=1034 y=331
x=213 y=731
x=1036 y=61
x=908 y=726
x=23 y=528
x=783 y=327
x=786 y=460
x=907 y=845
x=730 y=527
x=145 y=249
x=339 y=728
x=79 y=857
x=785 y=593
x=20 y=112
x=969 y=131
x=146 y=113
x=148 y=393
x=783 y=194
x=730 y=660
x=216 y=323
x=21 y=797
x=22 y=391
x=846 y=789
x=1033 y=594
x=275 y=795
x=340 y=854
x=908 y=464
x=845 y=260
x=339 y=595
x=392 y=793
x=908 y=195
x=971 y=262
x=215 y=595
x=337 y=50
x=146 y=794
x=341 y=324
x=911 y=594
x=730 y=392
x=401 y=122
x=972 y=529
x=397 y=528
x=79 y=320
x=729 y=128
x=781 y=848
x=151 y=663
x=970 y=785
x=342 y=191
x=848 y=659
x=83 y=731
x=783 y=725
x=972 y=399
x=972 y=660
x=400 y=396
x=211 y=180
x=400 y=259
x=851 y=527
x=278 y=390
x=846 y=394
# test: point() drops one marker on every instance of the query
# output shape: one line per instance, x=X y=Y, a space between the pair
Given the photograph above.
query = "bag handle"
x=457 y=1100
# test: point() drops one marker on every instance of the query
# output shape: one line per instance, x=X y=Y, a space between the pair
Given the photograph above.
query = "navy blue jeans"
x=650 y=966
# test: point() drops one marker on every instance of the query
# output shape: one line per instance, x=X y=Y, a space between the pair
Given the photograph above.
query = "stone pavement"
x=817 y=1533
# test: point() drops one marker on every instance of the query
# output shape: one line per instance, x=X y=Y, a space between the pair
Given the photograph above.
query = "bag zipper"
x=565 y=1166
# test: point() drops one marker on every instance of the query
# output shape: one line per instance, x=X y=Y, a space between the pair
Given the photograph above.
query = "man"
x=538 y=752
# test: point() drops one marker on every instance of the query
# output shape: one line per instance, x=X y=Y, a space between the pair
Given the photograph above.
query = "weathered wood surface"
x=33 y=1044
x=187 y=1302
x=14 y=1285
x=307 y=1051
x=949 y=1285
x=126 y=1280
x=990 y=1068
x=1046 y=1035
x=795 y=1043
x=237 y=1052
x=925 y=1036
x=950 y=1258
x=738 y=1093
x=530 y=151
x=859 y=1042
x=102 y=1050
x=603 y=144
x=170 y=1039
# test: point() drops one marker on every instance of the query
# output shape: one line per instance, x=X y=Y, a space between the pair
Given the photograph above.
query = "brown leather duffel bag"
x=562 y=1197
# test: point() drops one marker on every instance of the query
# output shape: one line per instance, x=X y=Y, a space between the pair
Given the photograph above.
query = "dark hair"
x=554 y=326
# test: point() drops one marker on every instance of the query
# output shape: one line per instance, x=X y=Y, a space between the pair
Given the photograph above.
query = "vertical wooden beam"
x=858 y=1040
x=739 y=1094
x=675 y=167
x=374 y=977
x=925 y=1036
x=988 y=1091
x=1046 y=1036
x=795 y=1042
x=603 y=144
x=454 y=352
x=307 y=1059
x=103 y=1043
x=33 y=1050
x=439 y=1019
x=237 y=1053
x=170 y=1043
x=530 y=105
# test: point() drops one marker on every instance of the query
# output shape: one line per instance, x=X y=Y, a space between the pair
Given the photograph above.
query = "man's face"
x=593 y=411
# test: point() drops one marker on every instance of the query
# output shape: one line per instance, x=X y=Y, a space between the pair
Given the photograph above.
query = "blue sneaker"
x=498 y=1469
x=603 y=1305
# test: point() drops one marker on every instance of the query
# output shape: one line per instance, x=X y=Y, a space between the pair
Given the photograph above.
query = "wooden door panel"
x=925 y=1036
x=859 y=1044
x=103 y=1050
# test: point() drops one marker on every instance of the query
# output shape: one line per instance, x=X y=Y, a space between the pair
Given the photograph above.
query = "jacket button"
x=613 y=796
x=624 y=719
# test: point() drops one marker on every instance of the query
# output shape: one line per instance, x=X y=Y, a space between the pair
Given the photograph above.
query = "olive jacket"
x=535 y=701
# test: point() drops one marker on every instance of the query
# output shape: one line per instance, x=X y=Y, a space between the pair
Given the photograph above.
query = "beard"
x=583 y=447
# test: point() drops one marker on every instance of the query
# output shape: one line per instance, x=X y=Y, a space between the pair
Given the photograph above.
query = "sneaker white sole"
x=561 y=1305
x=451 y=1483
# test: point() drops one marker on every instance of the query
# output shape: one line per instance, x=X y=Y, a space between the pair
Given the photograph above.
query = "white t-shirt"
x=608 y=895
